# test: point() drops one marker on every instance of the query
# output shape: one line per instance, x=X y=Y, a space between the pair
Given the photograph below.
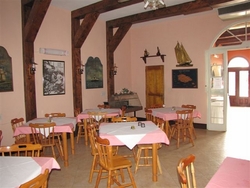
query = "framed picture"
x=94 y=73
x=6 y=80
x=53 y=77
x=185 y=78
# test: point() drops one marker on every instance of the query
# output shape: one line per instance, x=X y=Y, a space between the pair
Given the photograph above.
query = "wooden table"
x=169 y=113
x=234 y=173
x=18 y=170
x=84 y=116
x=64 y=125
x=121 y=134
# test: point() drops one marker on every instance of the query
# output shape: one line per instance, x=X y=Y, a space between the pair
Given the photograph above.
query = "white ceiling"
x=118 y=13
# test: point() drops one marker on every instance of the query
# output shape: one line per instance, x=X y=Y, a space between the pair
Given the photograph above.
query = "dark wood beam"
x=85 y=28
x=76 y=65
x=33 y=12
x=112 y=42
x=185 y=8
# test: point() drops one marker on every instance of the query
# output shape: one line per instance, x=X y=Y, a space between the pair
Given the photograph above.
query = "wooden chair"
x=112 y=164
x=117 y=119
x=146 y=148
x=123 y=108
x=103 y=106
x=58 y=136
x=41 y=181
x=193 y=107
x=32 y=150
x=148 y=114
x=186 y=172
x=97 y=117
x=56 y=114
x=43 y=133
x=82 y=129
x=183 y=127
x=16 y=122
x=92 y=133
x=1 y=136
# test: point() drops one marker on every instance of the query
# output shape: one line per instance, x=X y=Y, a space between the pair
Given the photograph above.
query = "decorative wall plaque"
x=6 y=80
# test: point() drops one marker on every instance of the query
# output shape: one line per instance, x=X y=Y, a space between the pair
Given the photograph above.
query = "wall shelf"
x=145 y=57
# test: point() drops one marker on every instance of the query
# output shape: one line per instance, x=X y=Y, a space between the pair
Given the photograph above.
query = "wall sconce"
x=114 y=70
x=33 y=67
x=81 y=70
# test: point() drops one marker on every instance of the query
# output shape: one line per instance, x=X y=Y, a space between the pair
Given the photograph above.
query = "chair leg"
x=159 y=165
x=98 y=177
x=131 y=177
x=78 y=134
x=137 y=159
x=92 y=168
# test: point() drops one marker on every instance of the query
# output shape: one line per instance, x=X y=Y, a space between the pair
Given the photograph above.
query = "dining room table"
x=169 y=113
x=131 y=133
x=15 y=171
x=64 y=125
x=84 y=116
x=233 y=172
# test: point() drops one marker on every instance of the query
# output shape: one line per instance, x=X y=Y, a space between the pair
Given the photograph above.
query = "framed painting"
x=53 y=77
x=94 y=73
x=185 y=78
x=6 y=80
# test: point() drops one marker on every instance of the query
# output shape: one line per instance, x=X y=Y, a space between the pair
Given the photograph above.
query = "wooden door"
x=154 y=85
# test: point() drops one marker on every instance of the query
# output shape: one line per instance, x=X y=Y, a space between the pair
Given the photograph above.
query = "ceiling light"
x=154 y=4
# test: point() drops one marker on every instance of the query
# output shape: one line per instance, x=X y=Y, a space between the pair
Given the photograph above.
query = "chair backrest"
x=184 y=118
x=97 y=117
x=77 y=112
x=17 y=122
x=43 y=133
x=92 y=138
x=56 y=114
x=32 y=150
x=41 y=181
x=186 y=172
x=104 y=151
x=103 y=106
x=1 y=136
x=160 y=123
x=188 y=106
x=123 y=108
x=148 y=114
x=116 y=119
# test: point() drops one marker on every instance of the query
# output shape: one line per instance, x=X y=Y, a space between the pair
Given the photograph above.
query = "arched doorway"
x=238 y=82
x=234 y=38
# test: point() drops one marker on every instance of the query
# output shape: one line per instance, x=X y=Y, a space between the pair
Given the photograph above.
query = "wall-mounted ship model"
x=182 y=57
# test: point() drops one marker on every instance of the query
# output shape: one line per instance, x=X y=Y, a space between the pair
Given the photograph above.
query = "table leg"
x=167 y=128
x=65 y=149
x=85 y=132
x=154 y=162
x=72 y=142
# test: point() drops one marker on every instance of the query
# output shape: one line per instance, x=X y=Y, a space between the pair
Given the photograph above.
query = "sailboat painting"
x=182 y=57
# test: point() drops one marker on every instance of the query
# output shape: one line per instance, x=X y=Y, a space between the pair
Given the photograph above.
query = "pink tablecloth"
x=110 y=112
x=233 y=173
x=122 y=134
x=63 y=124
x=18 y=170
x=170 y=114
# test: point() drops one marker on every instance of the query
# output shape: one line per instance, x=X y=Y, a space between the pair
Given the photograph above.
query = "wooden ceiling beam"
x=185 y=8
x=118 y=36
x=35 y=19
x=85 y=28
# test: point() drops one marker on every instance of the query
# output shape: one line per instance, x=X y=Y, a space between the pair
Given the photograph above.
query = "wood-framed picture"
x=53 y=77
x=185 y=78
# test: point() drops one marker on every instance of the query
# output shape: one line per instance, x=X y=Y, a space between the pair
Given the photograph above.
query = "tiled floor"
x=210 y=150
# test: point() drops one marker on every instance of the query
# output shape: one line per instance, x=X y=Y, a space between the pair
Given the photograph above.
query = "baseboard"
x=200 y=126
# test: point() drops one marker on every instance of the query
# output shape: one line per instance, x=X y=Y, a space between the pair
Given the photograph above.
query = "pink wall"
x=196 y=35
